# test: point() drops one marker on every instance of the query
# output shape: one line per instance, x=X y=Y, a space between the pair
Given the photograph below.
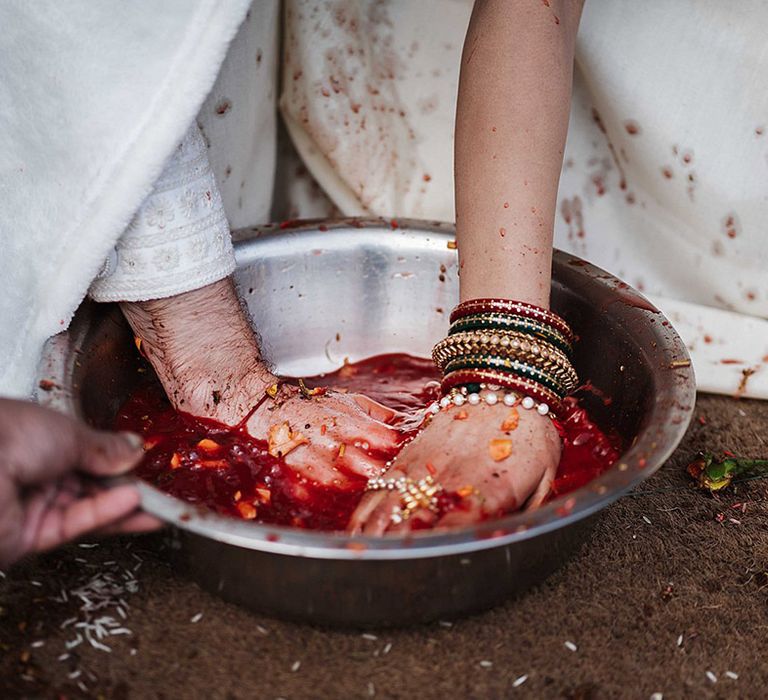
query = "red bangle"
x=508 y=381
x=518 y=308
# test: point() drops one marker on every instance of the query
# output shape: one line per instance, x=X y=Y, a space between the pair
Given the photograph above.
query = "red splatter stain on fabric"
x=599 y=183
x=223 y=107
x=707 y=339
x=632 y=127
x=666 y=171
x=506 y=205
x=571 y=211
x=427 y=177
x=502 y=232
x=598 y=120
x=731 y=361
x=760 y=130
x=731 y=226
x=691 y=188
x=601 y=125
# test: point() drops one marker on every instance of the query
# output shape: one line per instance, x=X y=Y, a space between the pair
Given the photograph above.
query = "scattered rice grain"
x=733 y=676
x=370 y=637
x=519 y=681
x=72 y=643
x=712 y=677
x=570 y=646
x=296 y=666
x=486 y=664
x=196 y=617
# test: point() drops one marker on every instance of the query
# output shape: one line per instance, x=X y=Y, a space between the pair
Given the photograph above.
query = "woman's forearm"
x=203 y=349
x=511 y=124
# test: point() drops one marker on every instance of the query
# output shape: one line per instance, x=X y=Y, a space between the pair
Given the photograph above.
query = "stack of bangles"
x=497 y=351
x=498 y=344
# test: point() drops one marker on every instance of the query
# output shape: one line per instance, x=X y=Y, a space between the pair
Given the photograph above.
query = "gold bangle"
x=509 y=343
x=490 y=323
x=539 y=355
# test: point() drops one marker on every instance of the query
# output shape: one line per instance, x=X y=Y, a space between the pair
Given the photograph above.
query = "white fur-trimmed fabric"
x=94 y=97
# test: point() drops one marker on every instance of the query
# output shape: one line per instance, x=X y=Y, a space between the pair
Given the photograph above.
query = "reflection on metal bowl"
x=319 y=293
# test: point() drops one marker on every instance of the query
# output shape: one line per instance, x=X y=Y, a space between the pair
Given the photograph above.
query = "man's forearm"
x=203 y=349
x=512 y=119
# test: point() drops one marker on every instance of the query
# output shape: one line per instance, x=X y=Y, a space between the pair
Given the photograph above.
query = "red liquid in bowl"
x=238 y=477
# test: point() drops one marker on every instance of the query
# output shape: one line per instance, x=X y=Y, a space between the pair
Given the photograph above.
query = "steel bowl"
x=322 y=292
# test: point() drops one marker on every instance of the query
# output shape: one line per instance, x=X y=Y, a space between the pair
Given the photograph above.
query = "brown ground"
x=624 y=601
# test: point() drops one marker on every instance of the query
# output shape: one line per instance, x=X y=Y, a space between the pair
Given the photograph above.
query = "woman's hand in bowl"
x=489 y=459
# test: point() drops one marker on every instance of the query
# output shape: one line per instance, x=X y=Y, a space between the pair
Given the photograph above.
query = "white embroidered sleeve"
x=179 y=239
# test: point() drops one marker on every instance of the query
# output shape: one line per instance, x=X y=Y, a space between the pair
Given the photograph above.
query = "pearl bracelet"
x=489 y=395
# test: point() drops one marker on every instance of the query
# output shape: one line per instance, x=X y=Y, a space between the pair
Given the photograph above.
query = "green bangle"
x=517 y=323
x=506 y=365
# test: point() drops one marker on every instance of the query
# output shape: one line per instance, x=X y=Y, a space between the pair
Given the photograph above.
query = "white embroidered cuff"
x=179 y=239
